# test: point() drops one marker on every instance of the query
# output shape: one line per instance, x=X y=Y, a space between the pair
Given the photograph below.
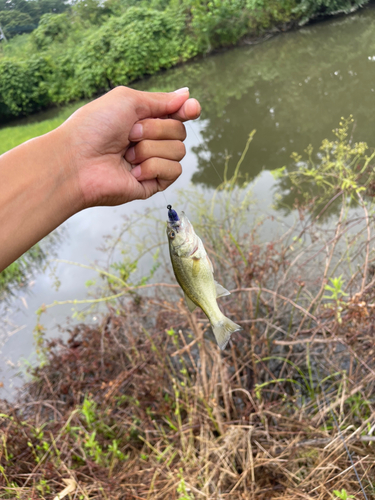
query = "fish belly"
x=196 y=280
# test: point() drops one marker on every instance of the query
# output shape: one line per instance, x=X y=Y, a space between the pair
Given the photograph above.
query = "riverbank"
x=144 y=405
x=68 y=57
x=138 y=410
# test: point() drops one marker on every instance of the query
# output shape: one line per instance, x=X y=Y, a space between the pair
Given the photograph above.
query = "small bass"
x=195 y=275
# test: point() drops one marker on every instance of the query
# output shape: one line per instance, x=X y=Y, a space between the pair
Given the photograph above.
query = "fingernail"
x=136 y=171
x=136 y=132
x=130 y=155
x=182 y=91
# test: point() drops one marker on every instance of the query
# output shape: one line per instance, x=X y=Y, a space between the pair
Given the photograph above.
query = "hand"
x=88 y=161
x=127 y=144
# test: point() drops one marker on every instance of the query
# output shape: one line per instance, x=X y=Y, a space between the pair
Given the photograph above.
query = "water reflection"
x=20 y=274
x=292 y=89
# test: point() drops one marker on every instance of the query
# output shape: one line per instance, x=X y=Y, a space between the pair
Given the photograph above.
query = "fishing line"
x=342 y=437
x=166 y=201
x=205 y=148
x=207 y=151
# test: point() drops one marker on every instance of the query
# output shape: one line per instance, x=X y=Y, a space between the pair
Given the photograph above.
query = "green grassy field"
x=19 y=132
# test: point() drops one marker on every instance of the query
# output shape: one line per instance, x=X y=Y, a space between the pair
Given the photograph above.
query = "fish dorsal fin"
x=210 y=264
x=220 y=290
x=190 y=303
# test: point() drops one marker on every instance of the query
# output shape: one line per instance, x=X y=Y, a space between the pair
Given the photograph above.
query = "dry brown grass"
x=256 y=421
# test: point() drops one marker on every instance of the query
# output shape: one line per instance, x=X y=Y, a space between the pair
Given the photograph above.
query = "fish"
x=194 y=273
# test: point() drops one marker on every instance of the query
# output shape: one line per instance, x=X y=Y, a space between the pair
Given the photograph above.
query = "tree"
x=52 y=6
x=52 y=27
x=92 y=11
x=15 y=22
x=23 y=16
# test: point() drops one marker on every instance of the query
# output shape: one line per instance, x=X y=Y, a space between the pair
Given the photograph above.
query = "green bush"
x=77 y=58
x=266 y=14
x=312 y=8
x=52 y=27
x=91 y=11
x=140 y=42
x=22 y=16
x=15 y=22
x=23 y=86
x=219 y=22
x=62 y=86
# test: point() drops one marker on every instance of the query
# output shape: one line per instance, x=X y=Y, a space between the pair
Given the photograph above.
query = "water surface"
x=292 y=89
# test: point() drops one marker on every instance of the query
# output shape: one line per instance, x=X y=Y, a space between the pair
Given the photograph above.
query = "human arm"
x=87 y=161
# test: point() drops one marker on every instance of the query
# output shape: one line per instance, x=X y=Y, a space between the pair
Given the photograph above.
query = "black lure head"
x=172 y=214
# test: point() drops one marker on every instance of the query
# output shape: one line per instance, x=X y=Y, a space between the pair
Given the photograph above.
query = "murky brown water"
x=292 y=89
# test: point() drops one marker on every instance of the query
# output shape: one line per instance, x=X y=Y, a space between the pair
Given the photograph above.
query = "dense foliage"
x=87 y=47
x=313 y=7
x=23 y=16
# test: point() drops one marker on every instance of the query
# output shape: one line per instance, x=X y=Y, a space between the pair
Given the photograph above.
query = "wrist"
x=63 y=169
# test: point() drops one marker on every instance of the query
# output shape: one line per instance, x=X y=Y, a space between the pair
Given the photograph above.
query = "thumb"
x=159 y=104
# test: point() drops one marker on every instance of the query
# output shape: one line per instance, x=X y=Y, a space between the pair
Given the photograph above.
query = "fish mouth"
x=175 y=226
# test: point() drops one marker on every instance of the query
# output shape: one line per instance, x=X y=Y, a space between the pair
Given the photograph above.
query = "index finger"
x=190 y=110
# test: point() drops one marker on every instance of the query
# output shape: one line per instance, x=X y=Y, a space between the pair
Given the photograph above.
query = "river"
x=292 y=88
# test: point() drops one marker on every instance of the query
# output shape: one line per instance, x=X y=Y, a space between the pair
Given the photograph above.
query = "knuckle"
x=178 y=170
x=182 y=150
x=183 y=131
x=121 y=91
x=147 y=128
x=150 y=166
x=141 y=149
x=160 y=128
x=153 y=128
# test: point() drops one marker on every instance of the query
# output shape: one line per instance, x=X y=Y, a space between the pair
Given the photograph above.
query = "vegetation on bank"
x=146 y=406
x=93 y=46
x=23 y=16
x=16 y=274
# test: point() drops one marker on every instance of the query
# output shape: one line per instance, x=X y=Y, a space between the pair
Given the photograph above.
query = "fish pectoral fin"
x=220 y=290
x=190 y=303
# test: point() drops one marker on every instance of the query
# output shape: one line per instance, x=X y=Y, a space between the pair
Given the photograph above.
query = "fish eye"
x=172 y=234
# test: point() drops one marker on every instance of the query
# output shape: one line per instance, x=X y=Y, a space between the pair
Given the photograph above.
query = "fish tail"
x=223 y=329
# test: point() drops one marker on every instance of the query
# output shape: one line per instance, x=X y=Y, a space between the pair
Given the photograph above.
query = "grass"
x=12 y=136
x=145 y=405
